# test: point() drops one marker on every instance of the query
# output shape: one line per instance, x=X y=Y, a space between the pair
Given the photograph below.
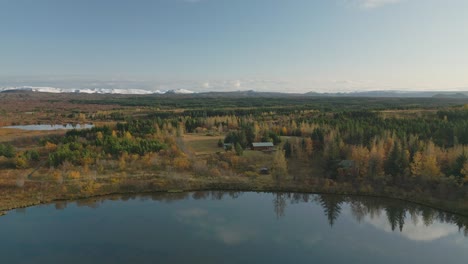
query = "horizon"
x=143 y=91
x=221 y=45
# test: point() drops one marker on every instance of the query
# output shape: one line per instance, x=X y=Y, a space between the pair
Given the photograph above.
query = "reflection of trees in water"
x=200 y=195
x=217 y=195
x=395 y=216
x=331 y=206
x=60 y=205
x=358 y=211
x=396 y=212
x=214 y=195
x=279 y=204
x=20 y=210
x=300 y=198
x=91 y=203
x=165 y=197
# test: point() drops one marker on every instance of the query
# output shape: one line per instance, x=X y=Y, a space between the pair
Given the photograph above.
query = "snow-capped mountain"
x=179 y=91
x=93 y=90
x=32 y=89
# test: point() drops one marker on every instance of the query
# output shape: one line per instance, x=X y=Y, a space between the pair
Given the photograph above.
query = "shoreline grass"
x=241 y=186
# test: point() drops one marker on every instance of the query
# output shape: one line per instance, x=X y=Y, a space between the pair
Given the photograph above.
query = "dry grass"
x=409 y=113
x=258 y=159
x=201 y=144
x=17 y=135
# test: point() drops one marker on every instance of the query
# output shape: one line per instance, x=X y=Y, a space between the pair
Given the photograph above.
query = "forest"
x=407 y=148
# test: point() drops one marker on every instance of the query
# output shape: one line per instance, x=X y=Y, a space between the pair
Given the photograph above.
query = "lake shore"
x=203 y=184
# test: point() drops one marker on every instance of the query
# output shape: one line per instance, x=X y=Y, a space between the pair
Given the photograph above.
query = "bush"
x=7 y=150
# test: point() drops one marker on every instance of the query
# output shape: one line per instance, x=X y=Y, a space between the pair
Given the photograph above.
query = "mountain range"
x=91 y=90
x=248 y=93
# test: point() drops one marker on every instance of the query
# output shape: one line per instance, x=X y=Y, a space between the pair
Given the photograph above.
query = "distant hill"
x=450 y=95
x=240 y=94
x=249 y=93
x=402 y=94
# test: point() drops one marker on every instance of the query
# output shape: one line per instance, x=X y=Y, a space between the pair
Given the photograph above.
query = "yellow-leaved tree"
x=431 y=168
x=360 y=155
x=425 y=166
x=309 y=146
x=417 y=164
x=464 y=172
x=279 y=168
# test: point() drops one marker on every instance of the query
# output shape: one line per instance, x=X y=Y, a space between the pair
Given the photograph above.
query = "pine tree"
x=287 y=149
x=393 y=162
x=239 y=149
x=459 y=165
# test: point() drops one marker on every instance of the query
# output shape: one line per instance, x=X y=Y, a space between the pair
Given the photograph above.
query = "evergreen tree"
x=393 y=164
x=7 y=150
x=239 y=149
x=459 y=164
x=287 y=149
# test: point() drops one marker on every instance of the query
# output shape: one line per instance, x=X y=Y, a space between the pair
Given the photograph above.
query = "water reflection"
x=331 y=206
x=279 y=204
x=232 y=227
x=413 y=221
x=227 y=231
x=417 y=231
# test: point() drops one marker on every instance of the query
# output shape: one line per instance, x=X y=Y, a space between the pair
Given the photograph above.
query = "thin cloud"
x=372 y=4
x=192 y=1
x=417 y=231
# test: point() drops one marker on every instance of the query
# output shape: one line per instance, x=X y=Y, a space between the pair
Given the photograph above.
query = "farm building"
x=262 y=146
x=227 y=146
x=346 y=164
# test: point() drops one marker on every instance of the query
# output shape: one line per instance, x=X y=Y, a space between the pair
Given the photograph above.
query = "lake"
x=51 y=127
x=232 y=227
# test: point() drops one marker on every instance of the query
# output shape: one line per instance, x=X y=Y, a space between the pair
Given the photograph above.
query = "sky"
x=218 y=45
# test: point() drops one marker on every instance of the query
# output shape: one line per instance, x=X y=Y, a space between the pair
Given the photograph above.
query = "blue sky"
x=278 y=45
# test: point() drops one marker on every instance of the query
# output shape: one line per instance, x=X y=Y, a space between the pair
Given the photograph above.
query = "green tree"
x=459 y=164
x=397 y=163
x=239 y=149
x=7 y=150
x=287 y=149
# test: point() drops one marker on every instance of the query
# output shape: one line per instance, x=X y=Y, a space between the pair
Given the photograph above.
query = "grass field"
x=18 y=135
x=202 y=144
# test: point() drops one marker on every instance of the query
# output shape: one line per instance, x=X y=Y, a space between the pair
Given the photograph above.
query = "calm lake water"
x=230 y=227
x=51 y=127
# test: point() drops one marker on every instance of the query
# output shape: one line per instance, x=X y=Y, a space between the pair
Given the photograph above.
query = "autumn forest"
x=407 y=148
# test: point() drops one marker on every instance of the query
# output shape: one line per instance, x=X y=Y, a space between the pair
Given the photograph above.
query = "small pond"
x=51 y=127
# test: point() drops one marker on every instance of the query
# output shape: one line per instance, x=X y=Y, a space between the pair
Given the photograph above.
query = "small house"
x=227 y=146
x=346 y=164
x=263 y=146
